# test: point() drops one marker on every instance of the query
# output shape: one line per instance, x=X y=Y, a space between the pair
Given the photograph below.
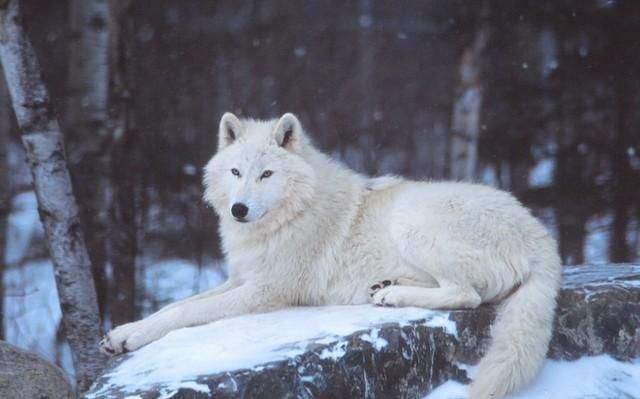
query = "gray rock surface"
x=598 y=313
x=24 y=375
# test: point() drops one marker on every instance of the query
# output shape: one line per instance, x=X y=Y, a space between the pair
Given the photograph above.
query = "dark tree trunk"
x=572 y=210
x=57 y=206
x=619 y=250
x=123 y=163
x=626 y=126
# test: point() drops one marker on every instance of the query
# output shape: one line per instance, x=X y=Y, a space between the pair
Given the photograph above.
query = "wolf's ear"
x=288 y=132
x=229 y=131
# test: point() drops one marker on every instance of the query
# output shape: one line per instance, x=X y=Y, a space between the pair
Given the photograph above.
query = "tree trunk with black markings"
x=467 y=105
x=5 y=188
x=122 y=212
x=58 y=210
x=86 y=128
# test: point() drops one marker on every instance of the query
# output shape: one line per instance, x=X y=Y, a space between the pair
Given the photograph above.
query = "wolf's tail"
x=521 y=332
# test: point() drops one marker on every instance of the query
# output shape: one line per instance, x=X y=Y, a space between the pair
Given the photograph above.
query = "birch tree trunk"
x=5 y=188
x=122 y=214
x=89 y=68
x=465 y=123
x=58 y=210
x=87 y=131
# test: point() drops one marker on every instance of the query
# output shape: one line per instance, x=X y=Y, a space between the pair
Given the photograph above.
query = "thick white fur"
x=318 y=234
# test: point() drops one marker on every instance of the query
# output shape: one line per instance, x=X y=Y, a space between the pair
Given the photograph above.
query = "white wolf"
x=298 y=228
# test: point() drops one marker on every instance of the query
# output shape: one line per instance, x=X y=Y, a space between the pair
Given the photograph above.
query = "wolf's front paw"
x=125 y=338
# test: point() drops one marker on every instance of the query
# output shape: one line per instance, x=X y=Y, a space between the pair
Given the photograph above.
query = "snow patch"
x=251 y=340
x=598 y=377
x=169 y=280
x=374 y=338
x=334 y=352
x=597 y=239
x=542 y=173
x=32 y=312
x=23 y=225
x=441 y=320
x=31 y=307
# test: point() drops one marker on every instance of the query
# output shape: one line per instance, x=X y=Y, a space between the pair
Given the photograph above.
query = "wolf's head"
x=260 y=172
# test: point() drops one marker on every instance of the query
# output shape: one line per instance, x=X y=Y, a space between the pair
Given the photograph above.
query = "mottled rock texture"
x=24 y=375
x=598 y=313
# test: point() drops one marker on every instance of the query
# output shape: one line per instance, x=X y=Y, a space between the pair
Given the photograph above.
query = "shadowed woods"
x=538 y=98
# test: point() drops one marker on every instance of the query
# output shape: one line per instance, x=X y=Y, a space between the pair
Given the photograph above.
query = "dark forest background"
x=552 y=94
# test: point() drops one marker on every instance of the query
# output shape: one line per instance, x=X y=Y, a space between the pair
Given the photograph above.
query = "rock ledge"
x=598 y=313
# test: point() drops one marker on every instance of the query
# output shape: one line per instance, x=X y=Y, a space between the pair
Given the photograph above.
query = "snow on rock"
x=364 y=351
x=252 y=341
x=597 y=377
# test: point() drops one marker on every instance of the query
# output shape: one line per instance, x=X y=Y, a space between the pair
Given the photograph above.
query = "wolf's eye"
x=235 y=172
x=266 y=174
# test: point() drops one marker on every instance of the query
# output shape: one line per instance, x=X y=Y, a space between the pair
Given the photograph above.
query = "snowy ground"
x=32 y=312
x=599 y=377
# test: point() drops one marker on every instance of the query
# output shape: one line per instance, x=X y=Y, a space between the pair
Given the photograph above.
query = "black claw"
x=109 y=350
x=375 y=287
x=386 y=283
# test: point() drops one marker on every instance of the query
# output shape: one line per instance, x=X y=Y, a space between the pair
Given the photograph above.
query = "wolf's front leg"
x=243 y=299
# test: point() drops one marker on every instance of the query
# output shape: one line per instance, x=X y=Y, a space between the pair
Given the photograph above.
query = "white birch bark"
x=5 y=188
x=86 y=128
x=88 y=78
x=58 y=210
x=465 y=124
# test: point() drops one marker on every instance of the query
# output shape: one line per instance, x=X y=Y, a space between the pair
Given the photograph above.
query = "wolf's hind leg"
x=445 y=297
x=375 y=287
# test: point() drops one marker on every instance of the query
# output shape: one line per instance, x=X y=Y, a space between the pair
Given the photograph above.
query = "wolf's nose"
x=239 y=210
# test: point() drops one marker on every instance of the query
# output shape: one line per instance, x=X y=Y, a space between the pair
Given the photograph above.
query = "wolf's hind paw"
x=380 y=285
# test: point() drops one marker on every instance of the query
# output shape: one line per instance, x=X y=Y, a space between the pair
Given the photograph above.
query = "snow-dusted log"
x=465 y=123
x=58 y=210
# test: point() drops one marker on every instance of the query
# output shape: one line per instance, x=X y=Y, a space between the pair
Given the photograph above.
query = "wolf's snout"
x=239 y=210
